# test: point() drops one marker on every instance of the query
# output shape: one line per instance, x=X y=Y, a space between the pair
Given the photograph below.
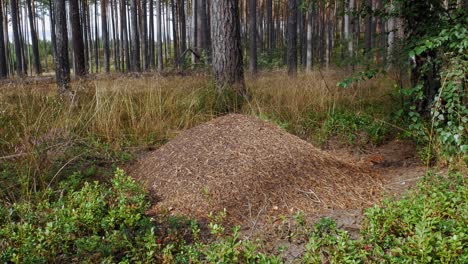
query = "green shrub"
x=354 y=129
x=428 y=225
x=94 y=222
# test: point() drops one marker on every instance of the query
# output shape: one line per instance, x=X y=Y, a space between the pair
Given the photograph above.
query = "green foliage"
x=95 y=222
x=354 y=128
x=426 y=226
x=360 y=76
x=447 y=130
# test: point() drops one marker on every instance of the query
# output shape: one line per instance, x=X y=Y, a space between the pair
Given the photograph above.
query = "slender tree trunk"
x=85 y=35
x=292 y=38
x=16 y=37
x=135 y=37
x=203 y=26
x=77 y=38
x=227 y=53
x=174 y=34
x=351 y=27
x=182 y=22
x=310 y=39
x=90 y=37
x=151 y=35
x=253 y=36
x=96 y=36
x=159 y=36
x=62 y=67
x=144 y=34
x=368 y=29
x=3 y=61
x=123 y=25
x=105 y=36
x=194 y=30
x=34 y=39
x=391 y=37
x=115 y=42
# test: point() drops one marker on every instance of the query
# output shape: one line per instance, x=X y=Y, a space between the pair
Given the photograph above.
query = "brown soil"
x=255 y=170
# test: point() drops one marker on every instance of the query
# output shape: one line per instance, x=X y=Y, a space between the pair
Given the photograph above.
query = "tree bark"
x=77 y=39
x=253 y=36
x=203 y=30
x=227 y=53
x=292 y=38
x=152 y=61
x=135 y=38
x=368 y=29
x=310 y=39
x=105 y=36
x=182 y=22
x=34 y=39
x=159 y=36
x=194 y=30
x=16 y=37
x=174 y=34
x=123 y=27
x=3 y=61
x=96 y=37
x=144 y=34
x=62 y=67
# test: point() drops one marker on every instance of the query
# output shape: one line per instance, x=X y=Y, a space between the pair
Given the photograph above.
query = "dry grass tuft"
x=123 y=112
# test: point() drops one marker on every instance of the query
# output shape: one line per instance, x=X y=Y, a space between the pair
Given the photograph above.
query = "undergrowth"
x=107 y=223
x=62 y=199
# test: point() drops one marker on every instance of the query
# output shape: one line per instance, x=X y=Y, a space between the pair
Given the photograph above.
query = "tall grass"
x=38 y=130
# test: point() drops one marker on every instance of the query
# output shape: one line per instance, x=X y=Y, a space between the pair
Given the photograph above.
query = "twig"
x=63 y=167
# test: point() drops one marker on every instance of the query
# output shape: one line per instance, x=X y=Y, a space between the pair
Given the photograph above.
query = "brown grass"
x=139 y=111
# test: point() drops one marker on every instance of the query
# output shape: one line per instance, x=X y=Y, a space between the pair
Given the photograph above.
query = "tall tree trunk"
x=182 y=22
x=90 y=36
x=159 y=36
x=253 y=36
x=135 y=37
x=16 y=37
x=44 y=40
x=84 y=28
x=174 y=34
x=144 y=34
x=3 y=61
x=351 y=29
x=227 y=53
x=115 y=37
x=62 y=67
x=292 y=38
x=391 y=37
x=96 y=37
x=368 y=29
x=203 y=29
x=151 y=35
x=194 y=30
x=105 y=36
x=123 y=25
x=77 y=38
x=34 y=39
x=310 y=39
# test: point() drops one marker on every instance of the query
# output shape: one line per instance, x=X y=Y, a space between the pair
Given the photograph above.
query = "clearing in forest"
x=250 y=167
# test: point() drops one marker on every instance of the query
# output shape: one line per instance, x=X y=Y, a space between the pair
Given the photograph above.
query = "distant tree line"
x=92 y=36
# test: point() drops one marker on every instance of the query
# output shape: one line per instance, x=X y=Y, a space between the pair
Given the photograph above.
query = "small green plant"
x=354 y=129
x=80 y=224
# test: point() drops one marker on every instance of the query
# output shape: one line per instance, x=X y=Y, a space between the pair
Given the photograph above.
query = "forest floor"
x=46 y=146
x=396 y=161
